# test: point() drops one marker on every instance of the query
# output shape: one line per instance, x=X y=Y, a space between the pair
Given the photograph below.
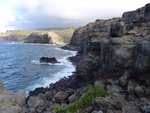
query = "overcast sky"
x=40 y=14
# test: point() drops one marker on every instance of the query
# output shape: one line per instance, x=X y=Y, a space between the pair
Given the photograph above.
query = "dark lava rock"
x=48 y=60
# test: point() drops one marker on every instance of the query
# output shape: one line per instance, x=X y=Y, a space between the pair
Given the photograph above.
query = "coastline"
x=110 y=68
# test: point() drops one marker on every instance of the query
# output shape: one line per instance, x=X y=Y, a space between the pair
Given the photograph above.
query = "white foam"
x=55 y=77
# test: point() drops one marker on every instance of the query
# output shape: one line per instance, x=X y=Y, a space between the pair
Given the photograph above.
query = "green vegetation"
x=84 y=102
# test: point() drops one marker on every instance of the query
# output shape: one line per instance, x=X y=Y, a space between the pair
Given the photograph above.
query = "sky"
x=43 y=14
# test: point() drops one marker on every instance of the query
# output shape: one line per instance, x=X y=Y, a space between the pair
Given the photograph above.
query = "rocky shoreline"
x=112 y=71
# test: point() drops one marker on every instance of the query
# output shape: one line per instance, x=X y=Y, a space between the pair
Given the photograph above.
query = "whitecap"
x=67 y=71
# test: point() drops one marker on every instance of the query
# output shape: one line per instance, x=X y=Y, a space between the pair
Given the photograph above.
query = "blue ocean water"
x=20 y=67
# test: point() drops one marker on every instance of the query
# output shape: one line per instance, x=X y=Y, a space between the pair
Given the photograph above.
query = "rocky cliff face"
x=38 y=38
x=114 y=45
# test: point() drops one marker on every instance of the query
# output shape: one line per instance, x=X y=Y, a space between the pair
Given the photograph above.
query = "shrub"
x=84 y=102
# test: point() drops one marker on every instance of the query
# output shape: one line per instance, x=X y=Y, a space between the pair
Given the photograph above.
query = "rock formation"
x=114 y=45
x=11 y=102
x=113 y=54
x=38 y=38
x=48 y=60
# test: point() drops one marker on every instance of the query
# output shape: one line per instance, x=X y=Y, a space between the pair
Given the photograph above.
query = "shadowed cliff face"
x=114 y=45
x=38 y=38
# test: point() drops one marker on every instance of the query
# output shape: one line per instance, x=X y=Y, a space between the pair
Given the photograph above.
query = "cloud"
x=40 y=14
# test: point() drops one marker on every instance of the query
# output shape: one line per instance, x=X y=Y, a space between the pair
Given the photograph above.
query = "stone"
x=8 y=102
x=72 y=98
x=130 y=109
x=49 y=95
x=94 y=111
x=99 y=111
x=139 y=91
x=99 y=83
x=144 y=104
x=118 y=29
x=32 y=110
x=1 y=85
x=34 y=102
x=89 y=109
x=147 y=111
x=147 y=91
x=63 y=104
x=114 y=88
x=48 y=60
x=61 y=96
x=123 y=80
x=20 y=97
x=130 y=88
x=13 y=109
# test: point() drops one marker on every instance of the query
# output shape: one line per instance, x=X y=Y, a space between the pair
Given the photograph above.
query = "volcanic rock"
x=48 y=60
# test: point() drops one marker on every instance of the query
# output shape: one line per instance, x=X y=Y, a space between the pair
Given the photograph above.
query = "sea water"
x=20 y=67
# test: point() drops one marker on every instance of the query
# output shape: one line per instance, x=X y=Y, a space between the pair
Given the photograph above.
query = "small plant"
x=84 y=102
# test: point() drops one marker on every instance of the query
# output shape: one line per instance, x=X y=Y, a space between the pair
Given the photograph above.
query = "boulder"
x=139 y=91
x=118 y=29
x=1 y=85
x=48 y=60
x=124 y=79
x=8 y=102
x=61 y=97
x=34 y=102
x=109 y=103
x=99 y=83
x=20 y=97
x=72 y=98
x=131 y=109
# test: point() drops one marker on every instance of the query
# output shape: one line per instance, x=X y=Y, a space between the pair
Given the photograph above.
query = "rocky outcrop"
x=48 y=60
x=114 y=46
x=38 y=38
x=11 y=102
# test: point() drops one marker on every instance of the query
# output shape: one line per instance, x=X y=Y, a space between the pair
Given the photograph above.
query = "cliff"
x=58 y=36
x=115 y=45
x=38 y=38
x=112 y=70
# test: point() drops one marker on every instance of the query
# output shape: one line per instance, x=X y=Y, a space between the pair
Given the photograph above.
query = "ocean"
x=20 y=67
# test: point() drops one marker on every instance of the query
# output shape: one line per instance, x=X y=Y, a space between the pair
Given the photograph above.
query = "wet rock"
x=48 y=60
x=61 y=96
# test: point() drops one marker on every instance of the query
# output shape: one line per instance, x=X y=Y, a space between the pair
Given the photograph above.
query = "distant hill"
x=62 y=35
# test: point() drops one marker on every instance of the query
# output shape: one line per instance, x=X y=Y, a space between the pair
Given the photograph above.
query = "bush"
x=84 y=102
